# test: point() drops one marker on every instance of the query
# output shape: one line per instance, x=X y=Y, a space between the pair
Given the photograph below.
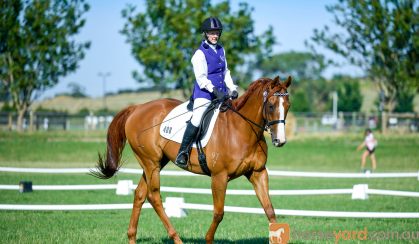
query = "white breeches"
x=199 y=107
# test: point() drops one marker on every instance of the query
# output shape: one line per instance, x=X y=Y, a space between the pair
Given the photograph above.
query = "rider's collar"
x=206 y=45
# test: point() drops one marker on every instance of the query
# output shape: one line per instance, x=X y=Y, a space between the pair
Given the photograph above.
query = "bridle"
x=266 y=123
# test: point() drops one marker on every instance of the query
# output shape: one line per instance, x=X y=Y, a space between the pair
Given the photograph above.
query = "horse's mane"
x=253 y=87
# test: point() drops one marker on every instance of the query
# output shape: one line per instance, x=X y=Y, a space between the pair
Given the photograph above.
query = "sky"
x=293 y=22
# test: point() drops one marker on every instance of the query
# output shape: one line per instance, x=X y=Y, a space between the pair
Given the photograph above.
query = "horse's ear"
x=287 y=83
x=275 y=82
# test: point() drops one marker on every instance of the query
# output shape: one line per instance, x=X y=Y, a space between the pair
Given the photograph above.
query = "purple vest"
x=216 y=66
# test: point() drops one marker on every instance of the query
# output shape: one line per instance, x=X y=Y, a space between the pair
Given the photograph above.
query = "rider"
x=212 y=80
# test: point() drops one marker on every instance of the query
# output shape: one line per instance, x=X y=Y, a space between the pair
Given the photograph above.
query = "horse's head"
x=275 y=109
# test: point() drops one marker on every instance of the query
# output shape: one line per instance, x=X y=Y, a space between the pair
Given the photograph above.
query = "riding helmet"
x=210 y=24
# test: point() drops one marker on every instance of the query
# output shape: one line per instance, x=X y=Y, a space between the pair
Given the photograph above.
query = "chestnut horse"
x=237 y=147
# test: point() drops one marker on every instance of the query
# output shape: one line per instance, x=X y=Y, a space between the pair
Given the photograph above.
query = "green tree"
x=76 y=90
x=380 y=36
x=36 y=46
x=318 y=93
x=300 y=102
x=310 y=90
x=4 y=93
x=300 y=65
x=349 y=93
x=165 y=35
x=404 y=103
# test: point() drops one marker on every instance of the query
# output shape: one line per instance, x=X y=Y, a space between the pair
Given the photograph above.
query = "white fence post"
x=124 y=187
x=174 y=207
x=360 y=192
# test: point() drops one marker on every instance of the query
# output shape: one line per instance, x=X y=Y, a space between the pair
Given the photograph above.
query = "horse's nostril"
x=278 y=143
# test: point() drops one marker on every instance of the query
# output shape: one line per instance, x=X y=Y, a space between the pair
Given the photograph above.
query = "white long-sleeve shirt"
x=200 y=69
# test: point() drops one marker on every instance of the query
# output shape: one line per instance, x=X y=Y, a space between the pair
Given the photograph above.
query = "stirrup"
x=177 y=161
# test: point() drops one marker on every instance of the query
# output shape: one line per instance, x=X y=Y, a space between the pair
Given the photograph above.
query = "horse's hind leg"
x=153 y=183
x=139 y=199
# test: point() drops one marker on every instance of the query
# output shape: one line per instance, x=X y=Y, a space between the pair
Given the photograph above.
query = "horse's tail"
x=109 y=163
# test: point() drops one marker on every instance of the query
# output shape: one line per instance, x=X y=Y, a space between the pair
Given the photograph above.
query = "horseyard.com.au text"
x=354 y=235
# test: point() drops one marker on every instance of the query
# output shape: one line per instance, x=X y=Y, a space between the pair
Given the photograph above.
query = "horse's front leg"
x=218 y=186
x=259 y=180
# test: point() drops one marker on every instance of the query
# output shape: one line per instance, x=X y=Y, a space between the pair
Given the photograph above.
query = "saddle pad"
x=174 y=124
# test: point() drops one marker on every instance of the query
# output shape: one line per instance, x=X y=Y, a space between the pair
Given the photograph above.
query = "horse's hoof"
x=177 y=241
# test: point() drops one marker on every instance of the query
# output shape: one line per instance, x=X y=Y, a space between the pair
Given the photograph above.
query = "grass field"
x=327 y=154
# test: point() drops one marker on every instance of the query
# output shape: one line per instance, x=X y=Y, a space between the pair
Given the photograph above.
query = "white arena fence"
x=207 y=207
x=131 y=186
x=125 y=187
x=186 y=173
x=359 y=191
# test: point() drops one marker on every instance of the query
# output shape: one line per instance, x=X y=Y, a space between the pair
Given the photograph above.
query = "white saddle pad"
x=174 y=125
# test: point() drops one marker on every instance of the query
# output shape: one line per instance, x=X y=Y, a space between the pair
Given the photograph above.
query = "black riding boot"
x=182 y=156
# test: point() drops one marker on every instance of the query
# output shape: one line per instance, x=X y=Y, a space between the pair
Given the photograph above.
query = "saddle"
x=174 y=125
x=205 y=120
x=202 y=130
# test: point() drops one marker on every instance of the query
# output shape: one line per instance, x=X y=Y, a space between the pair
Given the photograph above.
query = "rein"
x=245 y=118
x=266 y=124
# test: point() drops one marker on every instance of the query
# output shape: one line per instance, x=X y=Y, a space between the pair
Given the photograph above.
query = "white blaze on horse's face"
x=280 y=130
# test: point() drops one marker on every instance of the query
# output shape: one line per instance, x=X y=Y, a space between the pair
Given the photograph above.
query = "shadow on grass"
x=201 y=241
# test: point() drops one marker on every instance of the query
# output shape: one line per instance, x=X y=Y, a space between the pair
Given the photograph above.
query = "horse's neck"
x=252 y=109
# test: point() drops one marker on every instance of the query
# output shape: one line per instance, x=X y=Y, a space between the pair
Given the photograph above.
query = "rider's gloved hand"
x=234 y=95
x=219 y=94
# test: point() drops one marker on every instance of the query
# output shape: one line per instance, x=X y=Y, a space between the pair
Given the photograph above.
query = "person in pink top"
x=370 y=143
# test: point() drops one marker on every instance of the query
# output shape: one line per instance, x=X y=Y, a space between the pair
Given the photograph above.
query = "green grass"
x=86 y=226
x=54 y=150
x=333 y=153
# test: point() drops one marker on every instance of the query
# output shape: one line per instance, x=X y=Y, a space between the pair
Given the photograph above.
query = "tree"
x=404 y=103
x=310 y=91
x=318 y=93
x=164 y=37
x=300 y=65
x=349 y=93
x=380 y=36
x=36 y=48
x=76 y=90
x=4 y=93
x=300 y=102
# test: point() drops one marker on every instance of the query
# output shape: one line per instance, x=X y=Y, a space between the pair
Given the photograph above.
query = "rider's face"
x=213 y=36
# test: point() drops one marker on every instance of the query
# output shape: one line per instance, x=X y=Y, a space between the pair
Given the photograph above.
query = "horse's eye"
x=271 y=108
